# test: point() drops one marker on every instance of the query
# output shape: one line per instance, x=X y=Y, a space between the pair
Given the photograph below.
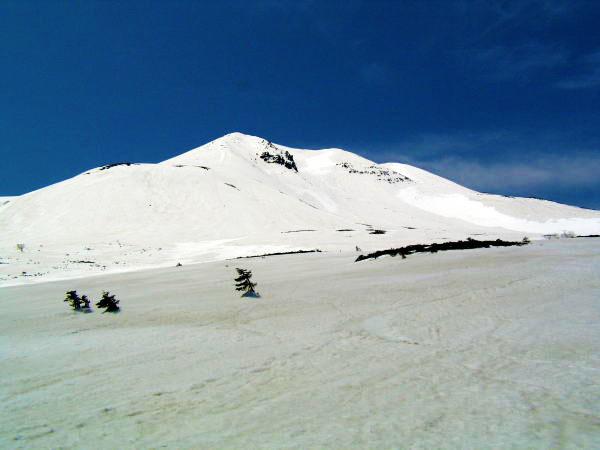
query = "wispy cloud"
x=522 y=41
x=590 y=77
x=504 y=162
x=506 y=16
x=521 y=62
x=552 y=171
x=436 y=145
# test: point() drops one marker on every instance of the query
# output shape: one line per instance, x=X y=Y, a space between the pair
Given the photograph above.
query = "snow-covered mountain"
x=242 y=195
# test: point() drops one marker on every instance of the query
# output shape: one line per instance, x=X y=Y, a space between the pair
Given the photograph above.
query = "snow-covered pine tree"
x=243 y=283
x=109 y=302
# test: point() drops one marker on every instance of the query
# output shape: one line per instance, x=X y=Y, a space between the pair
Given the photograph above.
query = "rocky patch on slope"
x=111 y=165
x=382 y=174
x=274 y=155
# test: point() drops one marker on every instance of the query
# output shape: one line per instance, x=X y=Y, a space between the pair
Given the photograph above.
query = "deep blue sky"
x=501 y=96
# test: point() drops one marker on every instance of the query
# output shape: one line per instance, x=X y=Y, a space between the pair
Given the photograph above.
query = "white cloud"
x=552 y=171
x=502 y=161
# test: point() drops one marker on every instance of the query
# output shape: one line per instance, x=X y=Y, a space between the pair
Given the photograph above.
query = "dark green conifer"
x=108 y=302
x=74 y=300
x=243 y=282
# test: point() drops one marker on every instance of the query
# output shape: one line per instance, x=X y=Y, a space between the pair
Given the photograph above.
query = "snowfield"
x=489 y=348
x=242 y=195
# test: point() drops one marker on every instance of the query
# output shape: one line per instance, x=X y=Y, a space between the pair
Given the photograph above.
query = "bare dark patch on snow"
x=437 y=247
x=231 y=185
x=279 y=253
x=188 y=165
x=381 y=173
x=296 y=231
x=111 y=165
x=312 y=206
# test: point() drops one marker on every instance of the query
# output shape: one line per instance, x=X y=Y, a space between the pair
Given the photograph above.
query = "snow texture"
x=228 y=199
x=488 y=348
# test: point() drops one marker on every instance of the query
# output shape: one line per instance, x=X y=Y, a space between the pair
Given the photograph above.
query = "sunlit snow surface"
x=460 y=206
x=222 y=200
x=491 y=348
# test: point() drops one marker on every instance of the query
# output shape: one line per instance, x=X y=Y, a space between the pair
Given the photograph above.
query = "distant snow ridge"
x=241 y=195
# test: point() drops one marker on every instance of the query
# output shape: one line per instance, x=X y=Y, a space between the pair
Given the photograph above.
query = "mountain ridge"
x=240 y=195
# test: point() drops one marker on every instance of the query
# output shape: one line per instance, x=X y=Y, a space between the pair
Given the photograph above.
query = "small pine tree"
x=85 y=302
x=109 y=302
x=243 y=282
x=74 y=300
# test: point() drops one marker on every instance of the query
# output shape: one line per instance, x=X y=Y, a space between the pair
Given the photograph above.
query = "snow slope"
x=5 y=201
x=228 y=199
x=481 y=349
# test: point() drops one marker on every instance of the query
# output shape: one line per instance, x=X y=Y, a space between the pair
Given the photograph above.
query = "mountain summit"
x=243 y=194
